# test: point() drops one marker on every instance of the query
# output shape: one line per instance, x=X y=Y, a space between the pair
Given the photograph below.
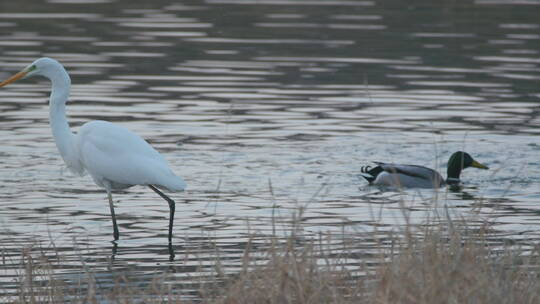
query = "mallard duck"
x=396 y=175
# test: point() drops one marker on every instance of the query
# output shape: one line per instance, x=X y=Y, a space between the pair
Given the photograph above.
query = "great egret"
x=115 y=157
x=396 y=175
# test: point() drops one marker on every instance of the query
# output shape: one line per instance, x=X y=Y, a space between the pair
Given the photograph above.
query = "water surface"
x=263 y=107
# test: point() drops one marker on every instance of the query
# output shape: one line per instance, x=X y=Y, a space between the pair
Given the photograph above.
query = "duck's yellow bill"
x=478 y=165
x=13 y=78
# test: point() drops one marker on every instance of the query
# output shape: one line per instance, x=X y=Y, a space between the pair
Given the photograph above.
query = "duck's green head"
x=459 y=161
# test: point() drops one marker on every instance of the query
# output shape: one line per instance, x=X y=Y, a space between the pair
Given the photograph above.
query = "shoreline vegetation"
x=442 y=261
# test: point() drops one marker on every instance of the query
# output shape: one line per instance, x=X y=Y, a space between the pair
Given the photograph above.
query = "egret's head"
x=43 y=66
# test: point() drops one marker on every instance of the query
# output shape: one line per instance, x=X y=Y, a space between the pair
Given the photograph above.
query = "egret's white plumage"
x=115 y=157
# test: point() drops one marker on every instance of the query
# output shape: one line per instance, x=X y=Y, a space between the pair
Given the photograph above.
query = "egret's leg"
x=171 y=208
x=171 y=252
x=115 y=227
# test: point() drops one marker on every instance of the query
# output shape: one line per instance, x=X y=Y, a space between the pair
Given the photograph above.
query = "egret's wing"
x=114 y=153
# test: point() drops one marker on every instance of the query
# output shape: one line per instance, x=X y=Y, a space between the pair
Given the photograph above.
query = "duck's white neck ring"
x=452 y=180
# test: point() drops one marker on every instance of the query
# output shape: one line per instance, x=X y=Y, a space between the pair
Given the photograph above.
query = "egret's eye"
x=31 y=68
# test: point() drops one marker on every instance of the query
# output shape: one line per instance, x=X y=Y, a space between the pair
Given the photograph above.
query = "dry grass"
x=292 y=275
x=437 y=267
x=443 y=263
x=457 y=267
x=38 y=282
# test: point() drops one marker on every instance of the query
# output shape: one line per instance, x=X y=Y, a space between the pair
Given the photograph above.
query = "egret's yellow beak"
x=15 y=77
x=478 y=165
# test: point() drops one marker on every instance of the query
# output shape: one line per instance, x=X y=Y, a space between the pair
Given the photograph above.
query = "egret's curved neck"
x=63 y=137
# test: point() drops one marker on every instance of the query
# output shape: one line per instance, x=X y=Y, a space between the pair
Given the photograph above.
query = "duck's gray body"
x=397 y=175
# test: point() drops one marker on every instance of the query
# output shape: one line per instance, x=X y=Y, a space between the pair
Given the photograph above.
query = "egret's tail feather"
x=174 y=185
